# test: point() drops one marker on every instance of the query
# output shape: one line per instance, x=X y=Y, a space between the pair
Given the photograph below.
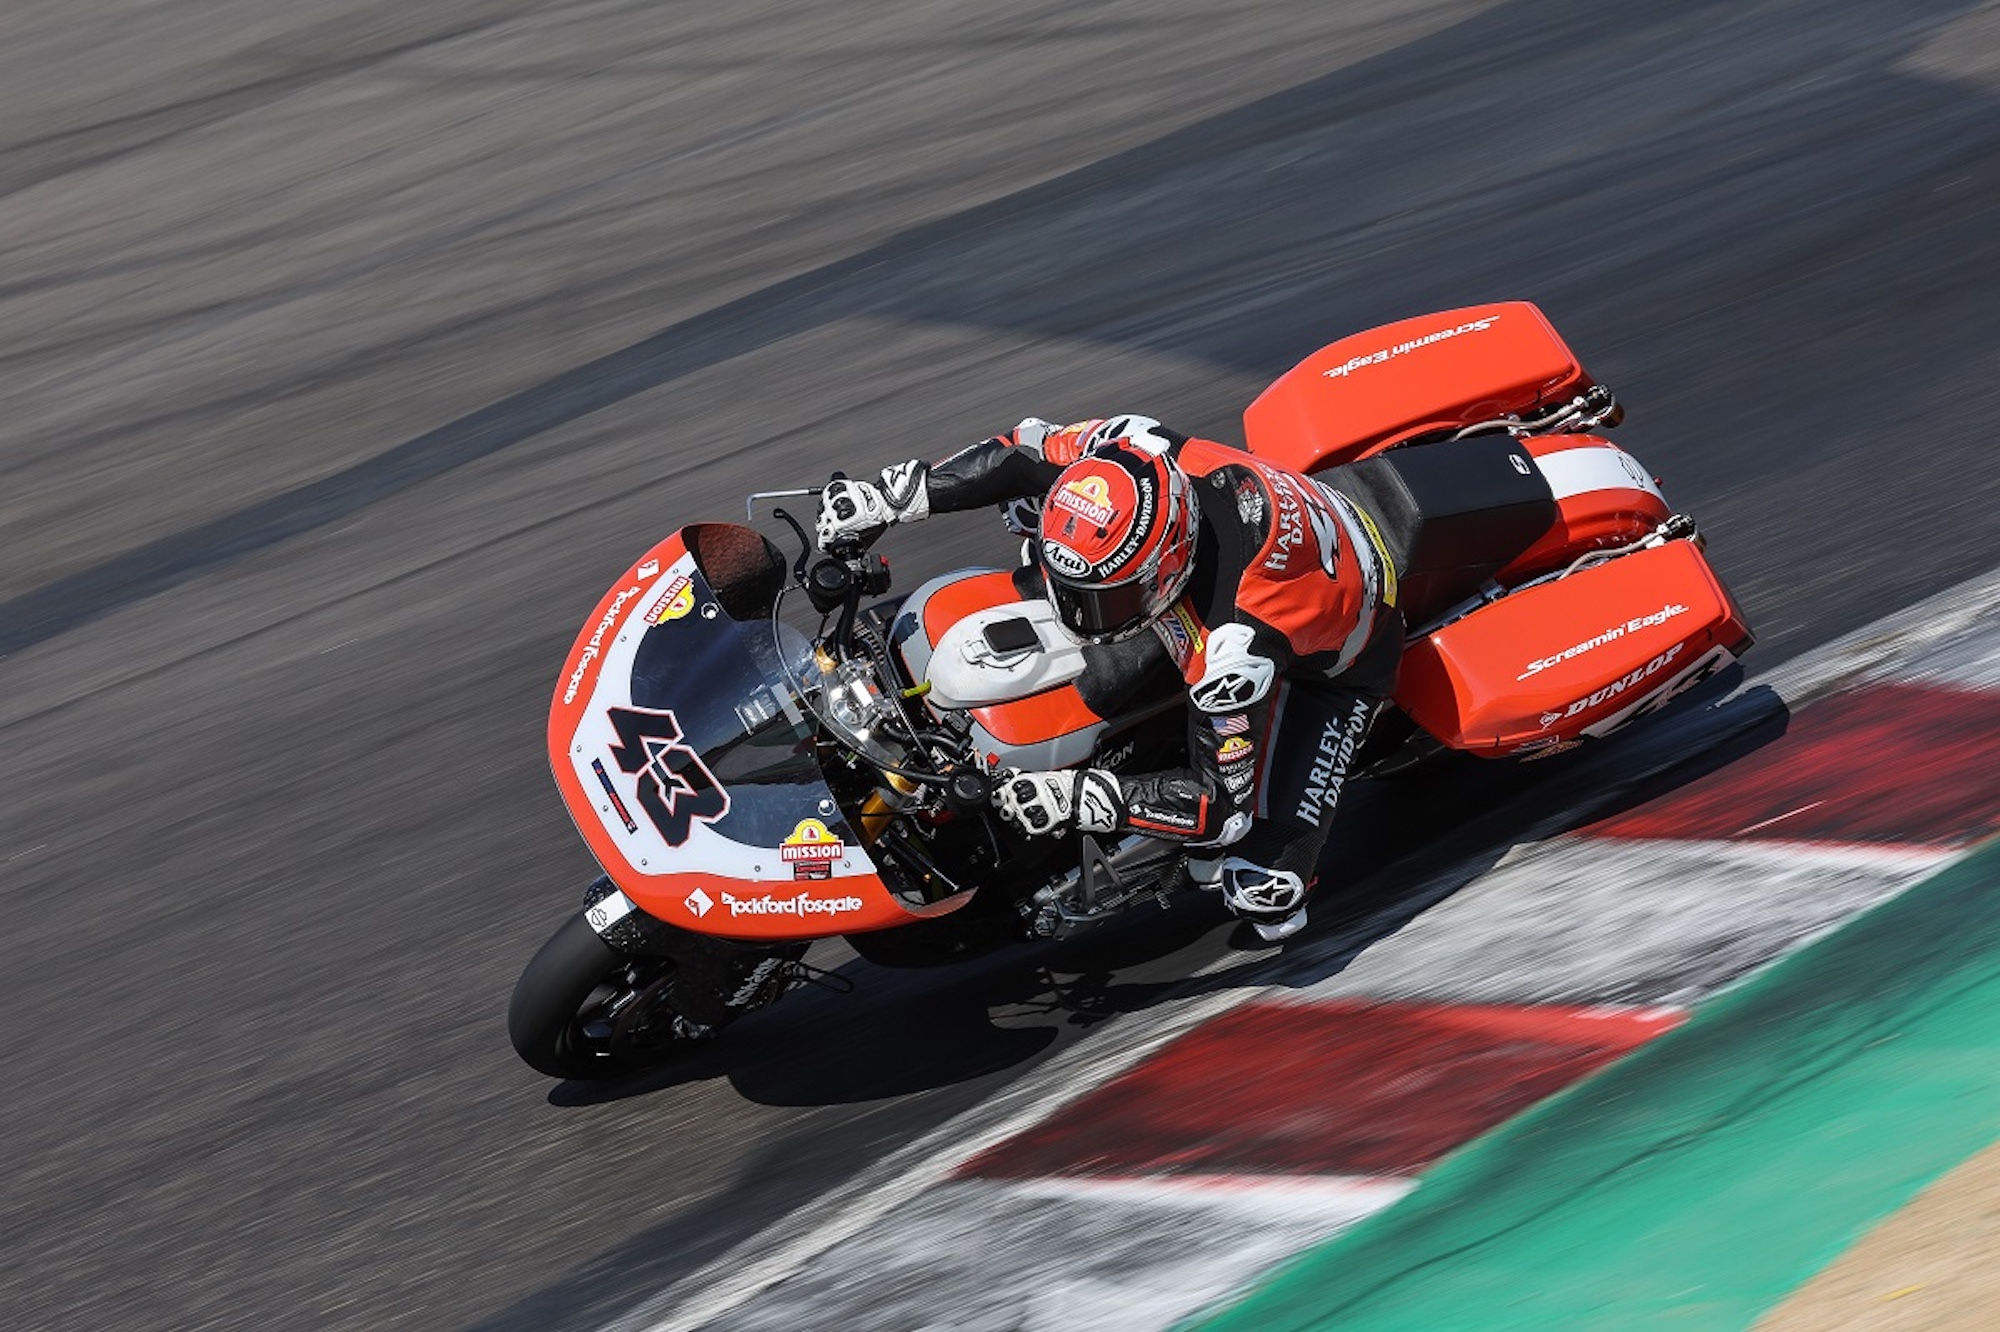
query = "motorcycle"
x=763 y=753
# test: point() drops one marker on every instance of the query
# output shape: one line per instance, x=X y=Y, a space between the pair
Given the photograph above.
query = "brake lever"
x=805 y=545
x=850 y=606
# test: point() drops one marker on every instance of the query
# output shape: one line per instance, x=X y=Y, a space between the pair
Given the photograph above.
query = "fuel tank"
x=1025 y=707
x=1033 y=698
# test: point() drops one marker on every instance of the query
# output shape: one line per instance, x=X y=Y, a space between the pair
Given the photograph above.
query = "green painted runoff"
x=1695 y=1184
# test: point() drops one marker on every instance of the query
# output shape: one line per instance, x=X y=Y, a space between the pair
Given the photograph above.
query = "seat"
x=1452 y=514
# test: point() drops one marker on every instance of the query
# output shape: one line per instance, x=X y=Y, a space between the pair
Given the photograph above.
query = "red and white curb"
x=1149 y=1172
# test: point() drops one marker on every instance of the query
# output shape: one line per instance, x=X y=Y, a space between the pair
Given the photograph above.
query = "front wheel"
x=584 y=1010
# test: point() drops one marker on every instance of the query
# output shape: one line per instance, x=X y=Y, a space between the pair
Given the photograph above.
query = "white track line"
x=1765 y=823
x=1876 y=649
x=1779 y=852
x=782 y=1248
x=1252 y=1192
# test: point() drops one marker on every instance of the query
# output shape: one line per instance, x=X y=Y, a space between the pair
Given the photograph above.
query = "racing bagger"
x=763 y=751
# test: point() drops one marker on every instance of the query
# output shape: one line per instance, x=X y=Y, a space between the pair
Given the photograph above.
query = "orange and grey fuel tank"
x=1000 y=658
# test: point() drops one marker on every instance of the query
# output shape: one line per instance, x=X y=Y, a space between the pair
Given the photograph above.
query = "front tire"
x=575 y=1001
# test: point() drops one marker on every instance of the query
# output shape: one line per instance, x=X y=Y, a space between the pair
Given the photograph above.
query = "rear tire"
x=558 y=1019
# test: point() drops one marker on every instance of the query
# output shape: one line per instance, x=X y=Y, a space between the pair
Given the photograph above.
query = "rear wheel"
x=584 y=1010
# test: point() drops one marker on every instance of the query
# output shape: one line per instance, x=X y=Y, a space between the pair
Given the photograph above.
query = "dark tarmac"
x=346 y=356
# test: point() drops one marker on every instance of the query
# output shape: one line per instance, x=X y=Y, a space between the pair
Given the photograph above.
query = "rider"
x=1272 y=593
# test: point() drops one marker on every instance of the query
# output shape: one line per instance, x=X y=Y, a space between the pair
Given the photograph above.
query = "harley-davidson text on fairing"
x=801 y=905
x=1611 y=635
x=595 y=646
x=1355 y=363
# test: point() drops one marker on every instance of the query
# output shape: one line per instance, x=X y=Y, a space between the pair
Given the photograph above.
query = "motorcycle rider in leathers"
x=1272 y=593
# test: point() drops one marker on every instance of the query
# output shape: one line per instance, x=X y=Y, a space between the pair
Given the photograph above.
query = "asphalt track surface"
x=347 y=354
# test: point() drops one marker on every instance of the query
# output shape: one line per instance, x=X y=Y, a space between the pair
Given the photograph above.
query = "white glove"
x=848 y=508
x=1032 y=433
x=1047 y=804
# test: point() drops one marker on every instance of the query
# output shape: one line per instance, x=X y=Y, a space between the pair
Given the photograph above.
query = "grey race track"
x=347 y=351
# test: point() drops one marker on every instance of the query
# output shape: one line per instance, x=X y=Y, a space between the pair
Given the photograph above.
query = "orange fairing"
x=1438 y=372
x=1022 y=721
x=1049 y=715
x=806 y=884
x=966 y=596
x=1576 y=657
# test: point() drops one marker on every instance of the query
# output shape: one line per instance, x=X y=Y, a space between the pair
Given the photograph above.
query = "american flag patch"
x=1236 y=724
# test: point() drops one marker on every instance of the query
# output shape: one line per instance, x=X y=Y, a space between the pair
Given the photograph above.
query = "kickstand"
x=804 y=973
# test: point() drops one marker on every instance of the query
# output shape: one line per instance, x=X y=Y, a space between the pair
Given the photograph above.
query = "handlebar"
x=835 y=582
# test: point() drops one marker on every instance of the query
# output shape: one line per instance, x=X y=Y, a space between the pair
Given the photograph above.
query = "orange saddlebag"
x=1438 y=372
x=1578 y=657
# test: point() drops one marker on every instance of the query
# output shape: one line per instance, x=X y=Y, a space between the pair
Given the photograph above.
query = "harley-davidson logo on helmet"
x=1095 y=509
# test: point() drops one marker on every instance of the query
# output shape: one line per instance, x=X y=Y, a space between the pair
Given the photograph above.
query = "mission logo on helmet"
x=1089 y=498
x=1102 y=502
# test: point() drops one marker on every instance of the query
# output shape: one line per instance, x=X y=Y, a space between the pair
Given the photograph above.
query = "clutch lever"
x=805 y=544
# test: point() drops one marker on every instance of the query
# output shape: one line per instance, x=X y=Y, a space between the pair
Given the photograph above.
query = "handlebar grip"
x=856 y=544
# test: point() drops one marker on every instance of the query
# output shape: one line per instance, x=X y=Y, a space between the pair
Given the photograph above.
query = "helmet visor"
x=1098 y=612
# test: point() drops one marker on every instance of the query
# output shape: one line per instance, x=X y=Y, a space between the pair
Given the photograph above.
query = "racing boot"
x=1271 y=901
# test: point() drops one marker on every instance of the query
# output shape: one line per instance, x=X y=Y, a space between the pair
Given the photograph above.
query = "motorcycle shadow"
x=900 y=1032
x=1401 y=847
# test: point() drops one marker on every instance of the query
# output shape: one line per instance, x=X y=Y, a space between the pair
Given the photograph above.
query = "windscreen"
x=727 y=688
x=685 y=754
